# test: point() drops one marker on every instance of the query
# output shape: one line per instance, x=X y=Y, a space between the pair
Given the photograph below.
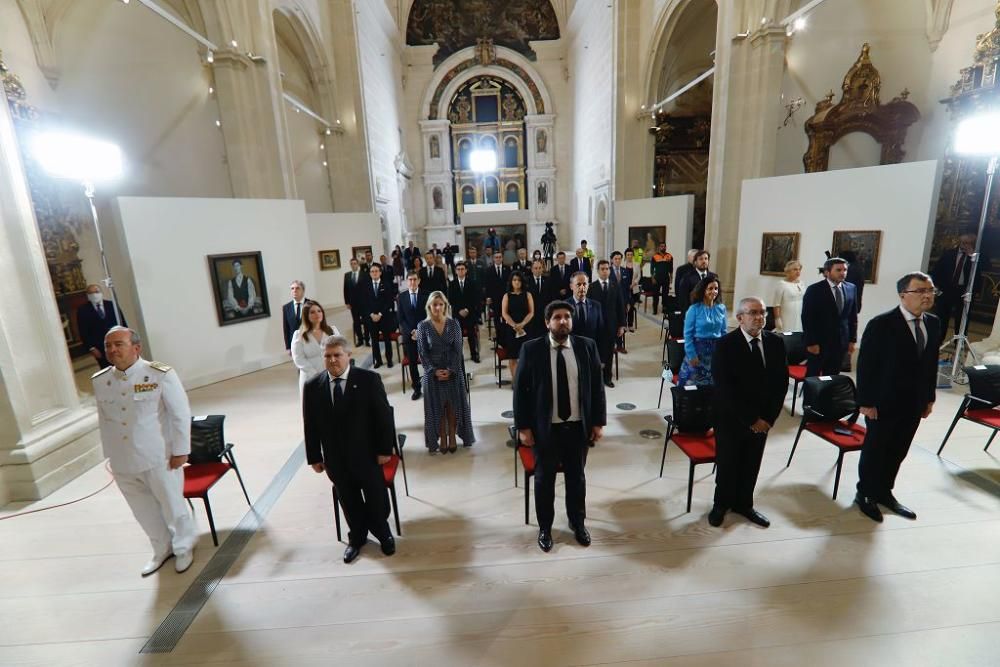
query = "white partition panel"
x=339 y=231
x=675 y=213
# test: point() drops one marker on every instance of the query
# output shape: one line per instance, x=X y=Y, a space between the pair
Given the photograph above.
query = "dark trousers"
x=607 y=360
x=887 y=442
x=410 y=350
x=949 y=306
x=365 y=502
x=469 y=324
x=374 y=328
x=738 y=453
x=829 y=361
x=660 y=290
x=361 y=335
x=567 y=445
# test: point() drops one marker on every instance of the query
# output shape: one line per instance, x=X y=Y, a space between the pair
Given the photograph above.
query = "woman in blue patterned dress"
x=704 y=325
x=446 y=402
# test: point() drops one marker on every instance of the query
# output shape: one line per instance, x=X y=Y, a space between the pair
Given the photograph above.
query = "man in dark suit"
x=689 y=280
x=348 y=434
x=829 y=319
x=409 y=253
x=432 y=277
x=951 y=275
x=388 y=274
x=580 y=263
x=377 y=300
x=540 y=286
x=495 y=286
x=411 y=308
x=291 y=312
x=588 y=316
x=522 y=264
x=559 y=410
x=750 y=379
x=897 y=376
x=604 y=292
x=560 y=275
x=466 y=297
x=354 y=279
x=93 y=320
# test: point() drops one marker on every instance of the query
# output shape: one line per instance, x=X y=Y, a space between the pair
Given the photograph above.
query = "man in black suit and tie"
x=580 y=263
x=560 y=275
x=750 y=379
x=93 y=320
x=951 y=274
x=495 y=286
x=353 y=281
x=466 y=297
x=604 y=292
x=829 y=319
x=433 y=278
x=291 y=312
x=897 y=379
x=540 y=287
x=559 y=410
x=410 y=252
x=348 y=434
x=689 y=280
x=411 y=308
x=588 y=316
x=376 y=300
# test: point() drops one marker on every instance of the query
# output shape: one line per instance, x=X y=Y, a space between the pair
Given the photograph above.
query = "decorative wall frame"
x=239 y=287
x=329 y=260
x=866 y=244
x=358 y=252
x=776 y=250
x=859 y=110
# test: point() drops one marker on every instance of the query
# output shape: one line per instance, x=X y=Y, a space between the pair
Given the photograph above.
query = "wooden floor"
x=468 y=585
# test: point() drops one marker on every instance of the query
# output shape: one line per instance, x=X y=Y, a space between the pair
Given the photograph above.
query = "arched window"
x=464 y=150
x=513 y=193
x=468 y=195
x=492 y=190
x=510 y=152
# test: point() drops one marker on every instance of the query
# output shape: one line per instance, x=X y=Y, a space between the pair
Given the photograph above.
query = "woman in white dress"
x=788 y=299
x=307 y=349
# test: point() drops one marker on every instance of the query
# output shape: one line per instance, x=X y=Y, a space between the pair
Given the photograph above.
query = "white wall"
x=167 y=240
x=338 y=231
x=677 y=213
x=898 y=199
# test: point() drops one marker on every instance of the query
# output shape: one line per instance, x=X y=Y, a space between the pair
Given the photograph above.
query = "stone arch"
x=669 y=31
x=293 y=26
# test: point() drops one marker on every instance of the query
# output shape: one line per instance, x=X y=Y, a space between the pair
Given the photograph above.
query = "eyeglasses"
x=923 y=291
x=755 y=313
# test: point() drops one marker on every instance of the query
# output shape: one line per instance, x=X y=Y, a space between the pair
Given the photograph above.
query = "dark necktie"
x=499 y=274
x=919 y=333
x=298 y=312
x=375 y=287
x=100 y=310
x=562 y=385
x=581 y=311
x=957 y=278
x=838 y=296
x=755 y=347
x=539 y=281
x=430 y=273
x=604 y=287
x=338 y=390
x=413 y=301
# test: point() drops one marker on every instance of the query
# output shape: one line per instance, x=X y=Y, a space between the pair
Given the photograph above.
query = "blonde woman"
x=446 y=402
x=788 y=299
x=307 y=352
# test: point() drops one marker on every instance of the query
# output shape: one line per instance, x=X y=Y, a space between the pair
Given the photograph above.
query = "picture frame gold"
x=329 y=260
x=776 y=250
x=866 y=244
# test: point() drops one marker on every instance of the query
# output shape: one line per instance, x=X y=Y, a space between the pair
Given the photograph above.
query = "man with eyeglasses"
x=897 y=377
x=749 y=373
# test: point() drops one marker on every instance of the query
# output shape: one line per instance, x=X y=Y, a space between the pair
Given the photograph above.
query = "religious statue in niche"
x=859 y=110
x=543 y=194
x=486 y=53
x=438 y=199
x=541 y=141
x=462 y=108
x=435 y=146
x=511 y=109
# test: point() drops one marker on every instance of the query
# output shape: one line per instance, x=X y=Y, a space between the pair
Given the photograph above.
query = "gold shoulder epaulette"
x=101 y=372
x=160 y=366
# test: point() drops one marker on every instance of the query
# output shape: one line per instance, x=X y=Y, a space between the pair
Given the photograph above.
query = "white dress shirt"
x=343 y=385
x=759 y=337
x=572 y=374
x=909 y=323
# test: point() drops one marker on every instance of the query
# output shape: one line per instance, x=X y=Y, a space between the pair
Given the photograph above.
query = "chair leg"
x=659 y=400
x=232 y=462
x=795 y=394
x=616 y=364
x=836 y=478
x=527 y=493
x=690 y=484
x=796 y=443
x=395 y=507
x=402 y=464
x=990 y=441
x=190 y=505
x=958 y=415
x=663 y=459
x=515 y=463
x=211 y=520
x=336 y=512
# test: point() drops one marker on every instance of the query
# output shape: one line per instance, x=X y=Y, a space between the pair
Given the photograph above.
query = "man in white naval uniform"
x=146 y=432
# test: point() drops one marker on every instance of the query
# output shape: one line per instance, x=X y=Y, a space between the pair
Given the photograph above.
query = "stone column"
x=46 y=436
x=540 y=176
x=745 y=114
x=438 y=183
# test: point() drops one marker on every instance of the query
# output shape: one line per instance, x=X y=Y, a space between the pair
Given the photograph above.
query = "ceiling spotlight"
x=324 y=163
x=211 y=90
x=218 y=123
x=327 y=132
x=338 y=121
x=322 y=147
x=234 y=44
x=800 y=23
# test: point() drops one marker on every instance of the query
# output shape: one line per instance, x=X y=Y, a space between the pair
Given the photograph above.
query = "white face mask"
x=95 y=298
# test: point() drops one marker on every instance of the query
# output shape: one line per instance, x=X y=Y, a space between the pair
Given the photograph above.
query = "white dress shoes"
x=183 y=561
x=155 y=563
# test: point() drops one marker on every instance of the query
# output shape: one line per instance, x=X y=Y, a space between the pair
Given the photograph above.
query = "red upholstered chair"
x=394 y=337
x=404 y=363
x=980 y=404
x=829 y=405
x=795 y=352
x=527 y=457
x=210 y=459
x=690 y=428
x=396 y=462
x=499 y=356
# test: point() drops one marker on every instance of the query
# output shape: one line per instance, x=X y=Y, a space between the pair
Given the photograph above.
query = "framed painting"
x=359 y=252
x=866 y=246
x=329 y=260
x=649 y=238
x=239 y=287
x=776 y=250
x=507 y=239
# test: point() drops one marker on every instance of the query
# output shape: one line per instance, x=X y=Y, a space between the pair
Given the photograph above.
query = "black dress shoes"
x=716 y=516
x=754 y=517
x=545 y=540
x=868 y=507
x=476 y=359
x=416 y=396
x=377 y=365
x=388 y=545
x=581 y=534
x=389 y=363
x=352 y=552
x=896 y=507
x=609 y=384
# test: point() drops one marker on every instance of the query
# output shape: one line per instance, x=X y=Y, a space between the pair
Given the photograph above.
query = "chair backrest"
x=829 y=399
x=693 y=411
x=984 y=383
x=795 y=347
x=675 y=354
x=675 y=320
x=207 y=439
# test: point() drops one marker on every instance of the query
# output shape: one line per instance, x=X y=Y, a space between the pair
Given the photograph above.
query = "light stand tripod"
x=88 y=189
